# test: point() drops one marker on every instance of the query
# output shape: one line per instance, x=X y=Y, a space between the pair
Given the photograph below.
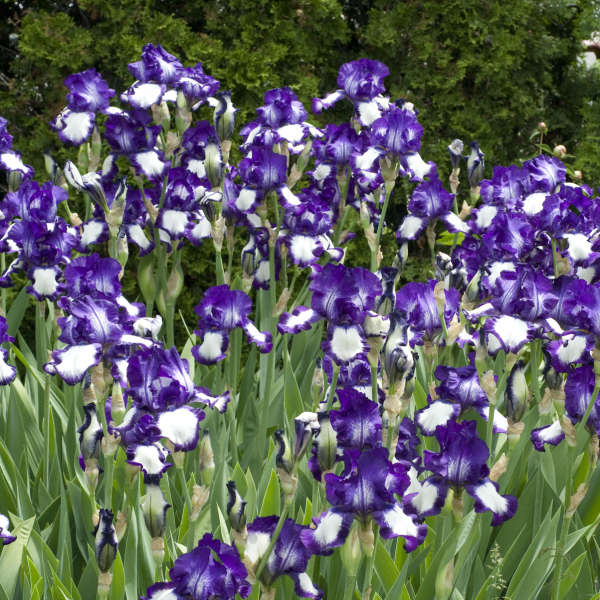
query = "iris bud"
x=236 y=507
x=326 y=441
x=154 y=508
x=147 y=278
x=174 y=283
x=283 y=459
x=224 y=118
x=14 y=180
x=106 y=540
x=51 y=167
x=351 y=553
x=305 y=425
x=90 y=434
x=455 y=149
x=517 y=392
x=213 y=162
x=475 y=165
x=206 y=457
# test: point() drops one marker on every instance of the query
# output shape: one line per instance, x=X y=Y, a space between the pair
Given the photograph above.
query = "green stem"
x=184 y=488
x=220 y=269
x=389 y=186
x=334 y=378
x=370 y=565
x=565 y=530
x=274 y=537
x=555 y=257
x=109 y=464
x=350 y=587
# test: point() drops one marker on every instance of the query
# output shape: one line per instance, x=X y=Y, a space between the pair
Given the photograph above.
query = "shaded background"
x=483 y=70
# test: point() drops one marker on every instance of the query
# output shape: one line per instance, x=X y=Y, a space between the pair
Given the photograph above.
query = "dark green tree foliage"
x=475 y=69
x=486 y=71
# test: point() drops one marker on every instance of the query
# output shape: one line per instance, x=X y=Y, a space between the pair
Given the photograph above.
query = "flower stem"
x=349 y=588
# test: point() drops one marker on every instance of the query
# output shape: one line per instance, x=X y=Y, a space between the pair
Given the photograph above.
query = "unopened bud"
x=174 y=283
x=444 y=581
x=542 y=127
x=236 y=506
x=439 y=294
x=367 y=538
x=206 y=458
x=154 y=508
x=351 y=554
x=576 y=499
x=559 y=151
x=514 y=433
x=218 y=233
x=120 y=525
x=281 y=304
x=158 y=550
x=569 y=430
x=200 y=496
x=289 y=485
x=499 y=468
x=488 y=384
x=110 y=445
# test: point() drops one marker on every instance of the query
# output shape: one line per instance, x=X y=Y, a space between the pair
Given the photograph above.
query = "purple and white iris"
x=220 y=311
x=461 y=464
x=212 y=569
x=289 y=556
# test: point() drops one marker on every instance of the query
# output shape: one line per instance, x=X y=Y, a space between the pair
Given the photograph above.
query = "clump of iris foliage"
x=320 y=431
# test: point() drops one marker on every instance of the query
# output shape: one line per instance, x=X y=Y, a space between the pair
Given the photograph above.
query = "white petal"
x=490 y=498
x=437 y=413
x=245 y=199
x=211 y=347
x=455 y=222
x=512 y=331
x=306 y=585
x=44 y=281
x=302 y=248
x=150 y=163
x=72 y=363
x=179 y=425
x=425 y=498
x=580 y=247
x=328 y=529
x=368 y=112
x=292 y=133
x=143 y=95
x=289 y=196
x=137 y=235
x=420 y=169
x=346 y=343
x=365 y=161
x=572 y=350
x=174 y=221
x=12 y=162
x=410 y=227
x=399 y=522
x=500 y=421
x=75 y=126
x=256 y=545
x=534 y=203
x=496 y=268
x=321 y=172
x=196 y=166
x=485 y=216
x=151 y=458
x=92 y=230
